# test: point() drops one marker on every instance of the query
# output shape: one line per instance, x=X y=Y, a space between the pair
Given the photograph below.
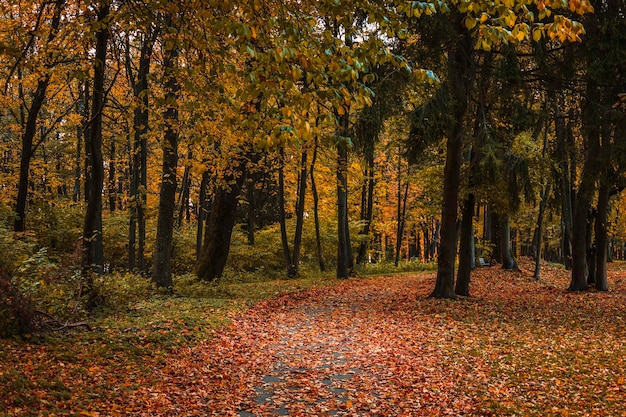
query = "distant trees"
x=317 y=120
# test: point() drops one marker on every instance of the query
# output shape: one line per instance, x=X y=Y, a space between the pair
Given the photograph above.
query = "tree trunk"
x=82 y=109
x=318 y=238
x=506 y=254
x=566 y=197
x=183 y=206
x=459 y=80
x=30 y=130
x=28 y=135
x=92 y=260
x=401 y=217
x=297 y=239
x=539 y=231
x=369 y=209
x=111 y=183
x=202 y=211
x=139 y=170
x=496 y=236
x=343 y=247
x=291 y=271
x=219 y=227
x=161 y=268
x=601 y=241
x=251 y=211
x=465 y=254
x=583 y=204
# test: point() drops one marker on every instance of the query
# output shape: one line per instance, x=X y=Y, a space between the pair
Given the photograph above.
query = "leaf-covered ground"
x=366 y=347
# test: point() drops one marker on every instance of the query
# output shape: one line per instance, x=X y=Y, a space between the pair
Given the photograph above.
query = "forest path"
x=366 y=347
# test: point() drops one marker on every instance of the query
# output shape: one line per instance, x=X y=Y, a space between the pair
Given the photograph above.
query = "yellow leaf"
x=537 y=35
x=520 y=36
x=470 y=22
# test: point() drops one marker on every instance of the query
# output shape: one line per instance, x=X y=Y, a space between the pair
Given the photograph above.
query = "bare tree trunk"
x=368 y=207
x=402 y=198
x=291 y=272
x=111 y=183
x=297 y=239
x=92 y=228
x=318 y=238
x=219 y=227
x=566 y=193
x=601 y=241
x=183 y=206
x=343 y=250
x=539 y=230
x=508 y=261
x=465 y=255
x=82 y=109
x=586 y=189
x=138 y=187
x=251 y=217
x=202 y=211
x=161 y=268
x=459 y=80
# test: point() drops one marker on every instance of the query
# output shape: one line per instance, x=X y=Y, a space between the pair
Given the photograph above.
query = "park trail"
x=363 y=348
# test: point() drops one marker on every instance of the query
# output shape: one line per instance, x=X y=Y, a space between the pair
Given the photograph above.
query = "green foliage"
x=386 y=268
x=56 y=226
x=119 y=290
x=16 y=309
x=115 y=238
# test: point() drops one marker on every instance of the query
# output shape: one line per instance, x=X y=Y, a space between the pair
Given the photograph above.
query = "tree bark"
x=459 y=80
x=82 y=109
x=139 y=182
x=297 y=239
x=369 y=209
x=219 y=227
x=539 y=231
x=251 y=211
x=583 y=203
x=402 y=198
x=111 y=183
x=567 y=216
x=92 y=260
x=465 y=254
x=183 y=206
x=318 y=238
x=161 y=268
x=291 y=272
x=506 y=254
x=202 y=211
x=343 y=232
x=601 y=241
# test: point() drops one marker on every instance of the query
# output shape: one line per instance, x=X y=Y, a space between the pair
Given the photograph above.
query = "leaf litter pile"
x=369 y=347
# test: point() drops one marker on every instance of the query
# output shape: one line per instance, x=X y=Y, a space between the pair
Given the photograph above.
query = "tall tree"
x=138 y=77
x=39 y=96
x=93 y=257
x=161 y=268
x=459 y=78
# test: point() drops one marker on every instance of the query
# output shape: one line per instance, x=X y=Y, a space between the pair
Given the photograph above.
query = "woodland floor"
x=365 y=347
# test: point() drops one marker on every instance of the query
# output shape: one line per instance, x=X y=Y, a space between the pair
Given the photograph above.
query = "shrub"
x=16 y=309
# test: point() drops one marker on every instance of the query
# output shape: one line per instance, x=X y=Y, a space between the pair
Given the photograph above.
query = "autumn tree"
x=161 y=267
x=94 y=178
x=491 y=26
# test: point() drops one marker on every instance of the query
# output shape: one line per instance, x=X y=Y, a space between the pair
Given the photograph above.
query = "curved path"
x=356 y=349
